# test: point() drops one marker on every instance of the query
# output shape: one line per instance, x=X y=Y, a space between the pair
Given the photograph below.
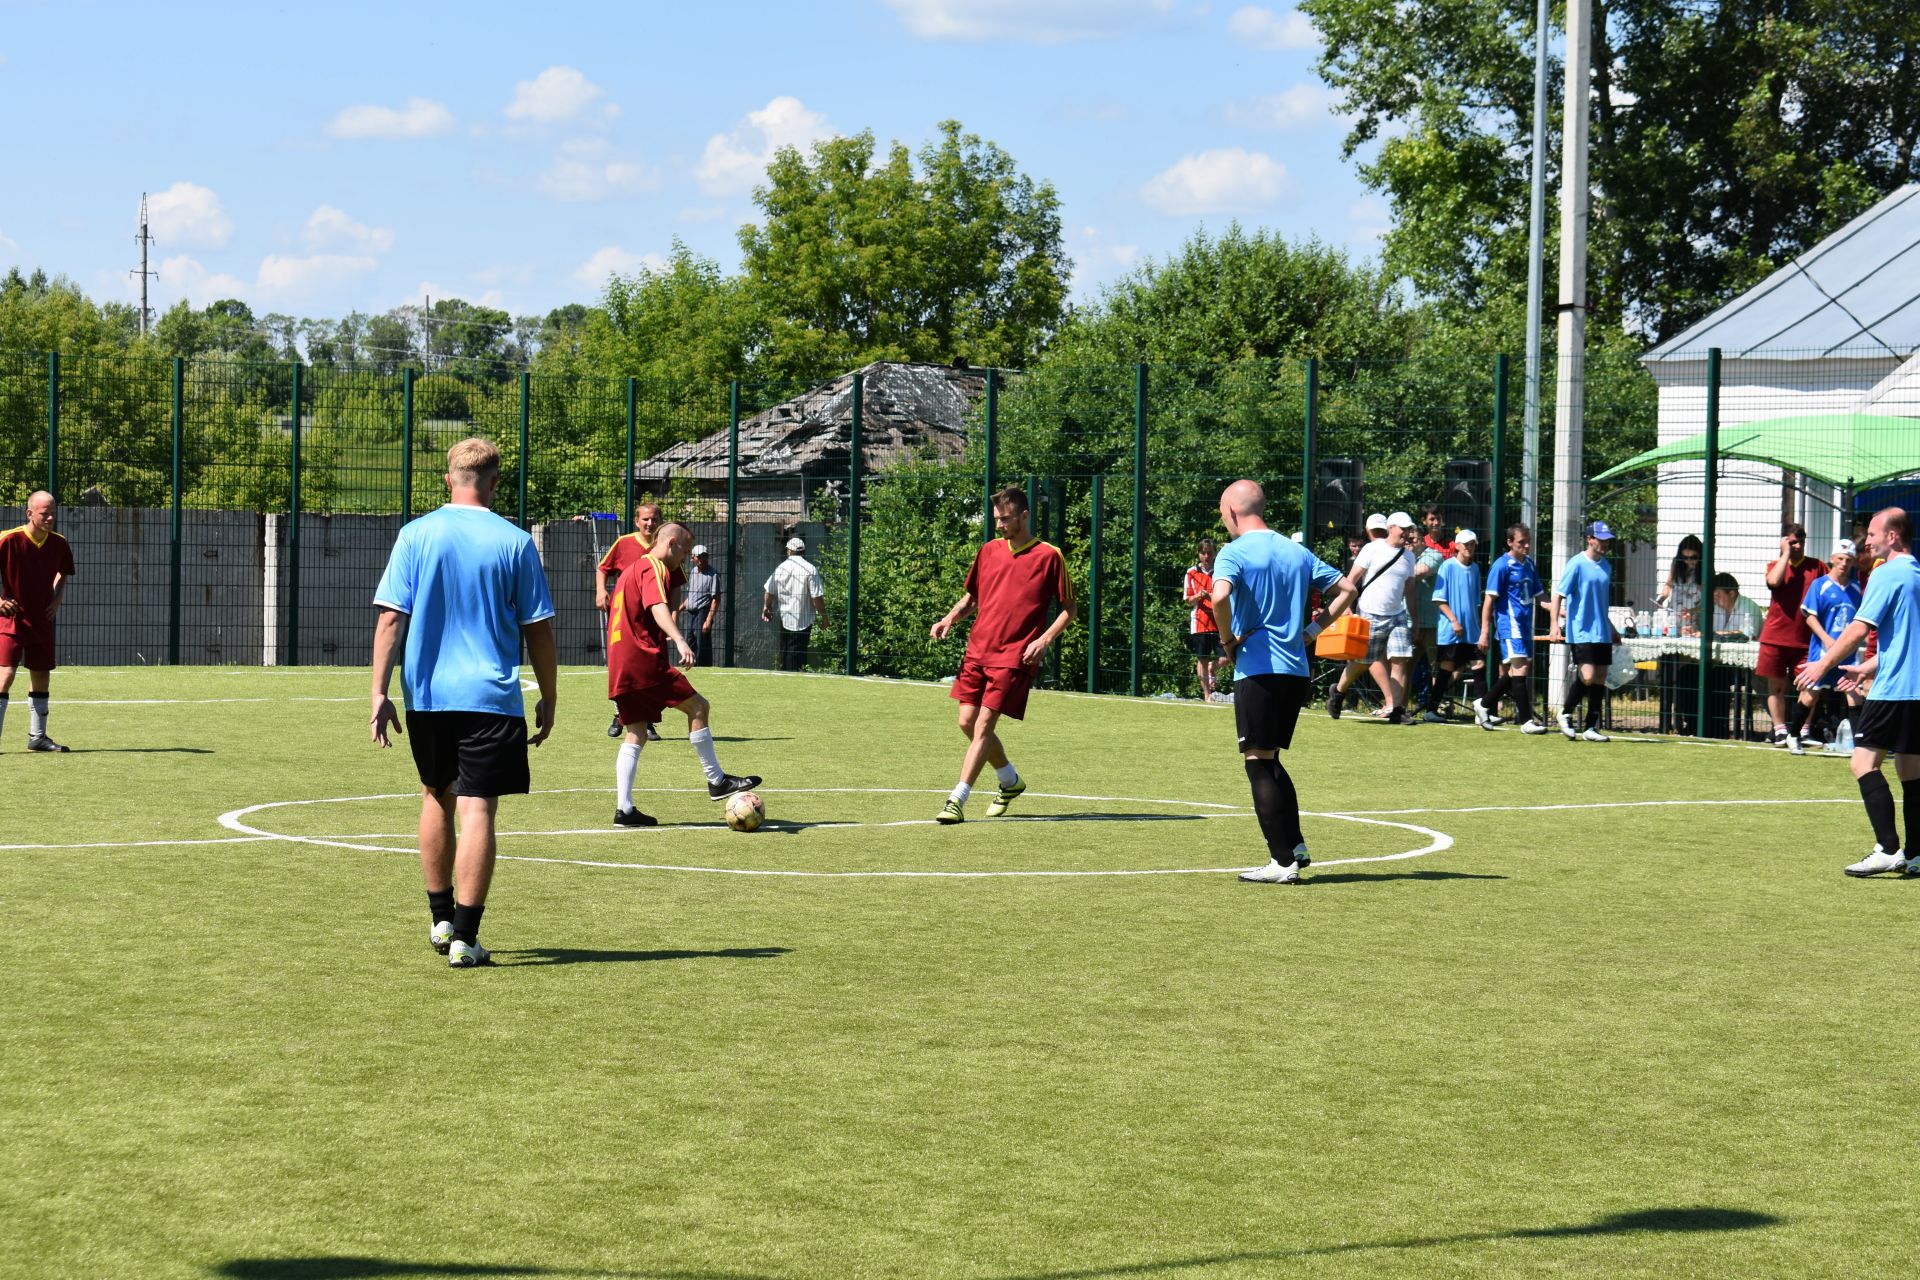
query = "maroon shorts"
x=34 y=651
x=1002 y=689
x=1779 y=660
x=644 y=706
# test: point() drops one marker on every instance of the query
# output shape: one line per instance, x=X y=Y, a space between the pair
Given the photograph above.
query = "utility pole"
x=1536 y=270
x=143 y=240
x=1570 y=403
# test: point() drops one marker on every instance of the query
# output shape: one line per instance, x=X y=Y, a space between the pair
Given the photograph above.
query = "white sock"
x=960 y=793
x=37 y=715
x=3 y=711
x=623 y=770
x=1007 y=774
x=702 y=740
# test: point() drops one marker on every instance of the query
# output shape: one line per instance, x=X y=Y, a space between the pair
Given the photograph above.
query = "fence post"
x=522 y=504
x=853 y=530
x=53 y=424
x=173 y=528
x=1139 y=525
x=993 y=450
x=1492 y=538
x=1093 y=587
x=293 y=533
x=406 y=445
x=633 y=389
x=1033 y=507
x=732 y=587
x=1707 y=499
x=1308 y=439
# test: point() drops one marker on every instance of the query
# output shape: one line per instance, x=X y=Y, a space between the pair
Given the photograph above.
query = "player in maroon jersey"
x=35 y=564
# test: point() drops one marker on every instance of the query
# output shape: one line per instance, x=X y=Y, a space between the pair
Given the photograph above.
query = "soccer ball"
x=745 y=812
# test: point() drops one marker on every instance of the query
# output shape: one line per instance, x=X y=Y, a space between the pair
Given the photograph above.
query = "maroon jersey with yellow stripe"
x=627 y=551
x=27 y=572
x=639 y=654
x=1012 y=587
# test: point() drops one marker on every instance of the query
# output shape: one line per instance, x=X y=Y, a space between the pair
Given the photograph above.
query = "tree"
x=860 y=259
x=1724 y=139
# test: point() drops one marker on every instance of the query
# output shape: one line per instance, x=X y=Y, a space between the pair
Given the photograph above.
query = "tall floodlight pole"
x=1536 y=271
x=1570 y=400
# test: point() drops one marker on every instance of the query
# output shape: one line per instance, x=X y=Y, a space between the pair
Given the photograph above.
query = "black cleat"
x=1334 y=703
x=43 y=743
x=731 y=783
x=634 y=818
x=653 y=734
x=613 y=730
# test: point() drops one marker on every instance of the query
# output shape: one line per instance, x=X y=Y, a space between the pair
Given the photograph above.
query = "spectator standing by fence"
x=1680 y=591
x=697 y=609
x=1203 y=636
x=796 y=590
x=1784 y=634
x=1890 y=720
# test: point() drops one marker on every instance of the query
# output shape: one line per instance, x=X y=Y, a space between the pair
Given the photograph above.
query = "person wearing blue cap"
x=1584 y=590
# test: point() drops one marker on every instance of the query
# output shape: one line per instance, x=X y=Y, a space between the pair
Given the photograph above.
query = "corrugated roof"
x=1857 y=291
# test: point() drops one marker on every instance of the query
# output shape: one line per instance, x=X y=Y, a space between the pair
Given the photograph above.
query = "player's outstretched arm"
x=546 y=673
x=1838 y=652
x=389 y=642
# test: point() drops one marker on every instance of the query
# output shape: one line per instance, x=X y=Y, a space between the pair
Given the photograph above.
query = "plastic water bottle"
x=1842 y=744
x=1643 y=623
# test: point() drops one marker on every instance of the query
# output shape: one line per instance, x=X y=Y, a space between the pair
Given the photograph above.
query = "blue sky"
x=317 y=159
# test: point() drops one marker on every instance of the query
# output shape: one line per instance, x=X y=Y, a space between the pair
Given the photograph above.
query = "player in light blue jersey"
x=1506 y=623
x=462 y=590
x=1890 y=721
x=1829 y=605
x=1456 y=601
x=1586 y=589
x=1262 y=582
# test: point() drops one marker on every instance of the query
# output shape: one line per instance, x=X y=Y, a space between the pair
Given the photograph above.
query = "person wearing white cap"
x=1456 y=598
x=795 y=587
x=1380 y=574
x=701 y=605
x=1829 y=605
x=1585 y=589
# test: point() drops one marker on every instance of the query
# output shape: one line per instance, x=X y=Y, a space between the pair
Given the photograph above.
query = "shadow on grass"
x=349 y=1268
x=138 y=751
x=574 y=955
x=1370 y=877
x=1643 y=1221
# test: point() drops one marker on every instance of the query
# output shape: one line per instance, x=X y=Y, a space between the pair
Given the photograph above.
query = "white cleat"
x=1795 y=747
x=1594 y=735
x=1533 y=726
x=1879 y=862
x=467 y=955
x=1482 y=716
x=1273 y=873
x=440 y=937
x=1566 y=726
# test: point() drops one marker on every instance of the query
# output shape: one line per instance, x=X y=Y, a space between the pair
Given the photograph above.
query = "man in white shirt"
x=1380 y=574
x=795 y=587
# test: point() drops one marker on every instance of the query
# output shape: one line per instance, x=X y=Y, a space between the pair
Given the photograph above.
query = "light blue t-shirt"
x=468 y=581
x=1892 y=607
x=1833 y=607
x=1458 y=588
x=1514 y=586
x=1587 y=585
x=1273 y=578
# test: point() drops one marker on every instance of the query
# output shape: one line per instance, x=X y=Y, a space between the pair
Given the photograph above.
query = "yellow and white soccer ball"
x=745 y=812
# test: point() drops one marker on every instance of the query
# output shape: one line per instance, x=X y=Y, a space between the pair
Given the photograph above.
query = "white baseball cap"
x=699 y=550
x=1467 y=535
x=1402 y=519
x=795 y=544
x=1376 y=521
x=1844 y=547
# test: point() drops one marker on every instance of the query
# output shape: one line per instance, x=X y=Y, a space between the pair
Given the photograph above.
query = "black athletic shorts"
x=1886 y=724
x=1203 y=644
x=1461 y=656
x=1599 y=655
x=1265 y=709
x=475 y=753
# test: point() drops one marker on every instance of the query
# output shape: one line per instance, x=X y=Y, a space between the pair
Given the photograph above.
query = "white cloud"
x=8 y=245
x=1033 y=21
x=555 y=96
x=614 y=260
x=1228 y=180
x=1303 y=104
x=1264 y=29
x=331 y=228
x=280 y=281
x=185 y=277
x=588 y=169
x=734 y=161
x=420 y=118
x=697 y=214
x=187 y=214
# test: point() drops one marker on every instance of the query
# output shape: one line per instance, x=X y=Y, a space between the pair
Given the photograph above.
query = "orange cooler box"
x=1344 y=640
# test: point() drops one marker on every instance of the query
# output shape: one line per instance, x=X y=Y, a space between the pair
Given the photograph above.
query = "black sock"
x=466 y=922
x=1575 y=691
x=1498 y=689
x=1523 y=698
x=440 y=904
x=1879 y=799
x=1277 y=805
x=1910 y=802
x=1797 y=714
x=1437 y=690
x=1596 y=693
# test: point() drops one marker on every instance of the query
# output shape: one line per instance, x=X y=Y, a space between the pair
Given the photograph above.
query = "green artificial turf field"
x=1607 y=1041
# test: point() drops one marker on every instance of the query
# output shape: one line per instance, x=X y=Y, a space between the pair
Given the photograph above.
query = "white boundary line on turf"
x=142 y=844
x=1597 y=804
x=177 y=702
x=1437 y=841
